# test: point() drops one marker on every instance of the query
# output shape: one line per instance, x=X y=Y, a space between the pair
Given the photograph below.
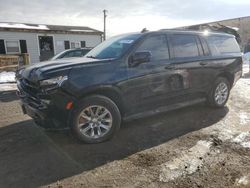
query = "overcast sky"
x=123 y=15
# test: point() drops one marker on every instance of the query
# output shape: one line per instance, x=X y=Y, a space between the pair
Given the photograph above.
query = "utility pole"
x=104 y=29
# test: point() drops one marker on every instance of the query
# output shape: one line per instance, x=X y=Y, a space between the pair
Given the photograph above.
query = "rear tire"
x=96 y=119
x=219 y=93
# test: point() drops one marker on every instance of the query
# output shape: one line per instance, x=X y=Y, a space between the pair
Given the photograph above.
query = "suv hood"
x=39 y=71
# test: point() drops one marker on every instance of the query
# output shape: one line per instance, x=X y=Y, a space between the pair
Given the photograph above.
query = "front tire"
x=96 y=119
x=219 y=93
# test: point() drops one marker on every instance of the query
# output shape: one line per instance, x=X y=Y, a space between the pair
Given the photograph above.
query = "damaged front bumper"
x=47 y=111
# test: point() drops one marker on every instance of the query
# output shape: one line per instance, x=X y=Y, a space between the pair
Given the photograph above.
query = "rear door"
x=187 y=63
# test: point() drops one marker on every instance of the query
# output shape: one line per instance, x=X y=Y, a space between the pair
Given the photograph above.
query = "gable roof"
x=43 y=28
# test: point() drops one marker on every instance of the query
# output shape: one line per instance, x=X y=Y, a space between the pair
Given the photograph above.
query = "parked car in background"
x=77 y=52
x=130 y=76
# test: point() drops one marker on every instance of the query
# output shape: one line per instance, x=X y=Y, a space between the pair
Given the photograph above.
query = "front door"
x=148 y=85
x=46 y=47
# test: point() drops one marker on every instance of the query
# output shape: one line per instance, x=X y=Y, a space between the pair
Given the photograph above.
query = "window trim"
x=204 y=45
x=19 y=48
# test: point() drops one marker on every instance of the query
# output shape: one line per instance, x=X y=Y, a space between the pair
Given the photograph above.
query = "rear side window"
x=223 y=45
x=184 y=46
x=158 y=47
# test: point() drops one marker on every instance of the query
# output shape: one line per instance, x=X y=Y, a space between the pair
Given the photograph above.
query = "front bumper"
x=48 y=111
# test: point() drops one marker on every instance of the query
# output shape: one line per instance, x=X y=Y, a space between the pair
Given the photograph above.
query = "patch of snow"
x=8 y=87
x=7 y=77
x=81 y=30
x=226 y=134
x=242 y=181
x=244 y=118
x=243 y=139
x=243 y=89
x=188 y=163
x=246 y=58
x=245 y=68
x=23 y=26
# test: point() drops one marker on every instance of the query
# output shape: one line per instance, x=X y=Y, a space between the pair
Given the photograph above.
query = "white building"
x=42 y=42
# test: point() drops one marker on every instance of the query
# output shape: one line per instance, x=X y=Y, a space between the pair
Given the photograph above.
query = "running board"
x=164 y=109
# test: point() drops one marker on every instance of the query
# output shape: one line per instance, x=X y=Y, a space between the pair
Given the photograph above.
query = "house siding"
x=32 y=41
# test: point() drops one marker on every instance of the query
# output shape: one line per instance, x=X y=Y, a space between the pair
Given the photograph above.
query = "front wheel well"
x=111 y=94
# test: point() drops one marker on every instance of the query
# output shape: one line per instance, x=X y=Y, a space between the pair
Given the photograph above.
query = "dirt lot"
x=192 y=147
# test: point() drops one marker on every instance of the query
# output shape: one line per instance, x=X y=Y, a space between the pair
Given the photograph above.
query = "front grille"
x=28 y=92
x=29 y=87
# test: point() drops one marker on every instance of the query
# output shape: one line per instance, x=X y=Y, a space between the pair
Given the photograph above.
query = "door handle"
x=203 y=63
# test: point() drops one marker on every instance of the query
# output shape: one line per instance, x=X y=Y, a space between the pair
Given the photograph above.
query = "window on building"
x=23 y=46
x=12 y=47
x=158 y=47
x=75 y=44
x=184 y=46
x=66 y=45
x=2 y=47
x=83 y=44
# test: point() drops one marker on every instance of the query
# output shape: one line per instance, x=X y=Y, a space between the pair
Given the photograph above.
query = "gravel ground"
x=191 y=147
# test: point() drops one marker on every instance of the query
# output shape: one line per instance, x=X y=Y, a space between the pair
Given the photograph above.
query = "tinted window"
x=222 y=45
x=184 y=46
x=157 y=45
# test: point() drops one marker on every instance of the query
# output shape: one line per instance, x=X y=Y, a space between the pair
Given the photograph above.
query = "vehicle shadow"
x=28 y=158
x=138 y=135
x=31 y=157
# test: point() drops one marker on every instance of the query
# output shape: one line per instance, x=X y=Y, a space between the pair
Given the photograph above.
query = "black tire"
x=92 y=101
x=211 y=96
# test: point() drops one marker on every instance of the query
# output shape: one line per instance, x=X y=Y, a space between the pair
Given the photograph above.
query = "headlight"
x=53 y=83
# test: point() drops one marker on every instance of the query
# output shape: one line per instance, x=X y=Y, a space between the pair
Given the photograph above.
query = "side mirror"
x=139 y=57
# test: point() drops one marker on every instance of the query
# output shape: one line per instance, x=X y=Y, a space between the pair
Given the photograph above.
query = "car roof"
x=180 y=31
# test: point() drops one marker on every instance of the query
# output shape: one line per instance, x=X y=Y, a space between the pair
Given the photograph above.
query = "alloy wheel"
x=95 y=121
x=221 y=93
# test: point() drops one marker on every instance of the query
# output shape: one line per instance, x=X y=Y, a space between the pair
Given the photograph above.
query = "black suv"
x=130 y=76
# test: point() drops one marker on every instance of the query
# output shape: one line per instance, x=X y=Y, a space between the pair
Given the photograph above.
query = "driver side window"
x=158 y=47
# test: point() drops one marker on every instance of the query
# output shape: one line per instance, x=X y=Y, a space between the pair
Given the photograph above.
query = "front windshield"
x=113 y=47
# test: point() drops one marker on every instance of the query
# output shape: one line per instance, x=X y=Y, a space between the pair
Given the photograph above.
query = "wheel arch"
x=111 y=92
x=229 y=76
